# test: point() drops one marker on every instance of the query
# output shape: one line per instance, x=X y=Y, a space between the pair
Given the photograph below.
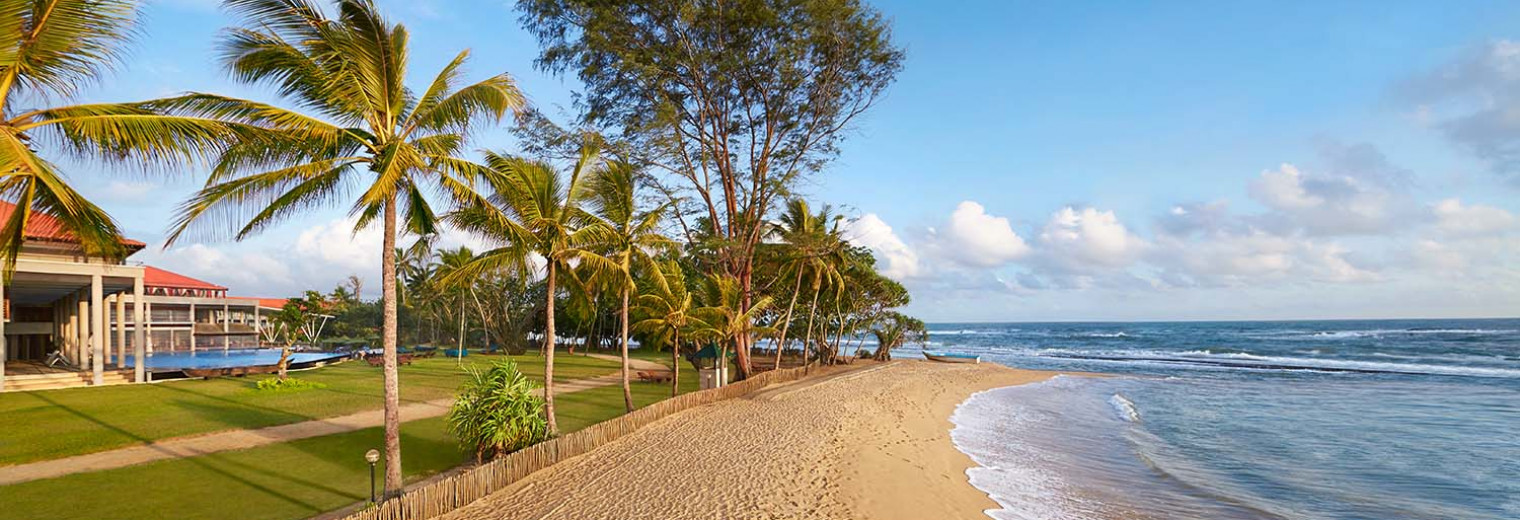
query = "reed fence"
x=451 y=493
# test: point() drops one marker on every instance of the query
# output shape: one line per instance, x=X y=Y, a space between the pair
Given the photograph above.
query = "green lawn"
x=58 y=423
x=285 y=481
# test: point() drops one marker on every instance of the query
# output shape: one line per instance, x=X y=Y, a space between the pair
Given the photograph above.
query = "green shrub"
x=498 y=411
x=289 y=384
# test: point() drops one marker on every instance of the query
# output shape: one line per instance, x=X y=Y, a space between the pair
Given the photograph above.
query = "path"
x=243 y=439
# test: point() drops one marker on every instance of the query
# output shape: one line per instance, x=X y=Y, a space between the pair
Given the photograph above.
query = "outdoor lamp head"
x=372 y=456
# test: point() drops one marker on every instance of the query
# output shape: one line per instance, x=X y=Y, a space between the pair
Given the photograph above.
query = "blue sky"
x=1061 y=160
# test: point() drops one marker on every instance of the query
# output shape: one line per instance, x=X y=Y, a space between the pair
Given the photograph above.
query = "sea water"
x=1416 y=419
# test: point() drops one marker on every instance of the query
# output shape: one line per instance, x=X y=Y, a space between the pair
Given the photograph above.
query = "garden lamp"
x=372 y=456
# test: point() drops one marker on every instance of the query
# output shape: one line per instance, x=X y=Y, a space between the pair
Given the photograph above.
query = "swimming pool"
x=165 y=361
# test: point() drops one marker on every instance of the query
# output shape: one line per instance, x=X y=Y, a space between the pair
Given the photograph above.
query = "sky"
x=1048 y=161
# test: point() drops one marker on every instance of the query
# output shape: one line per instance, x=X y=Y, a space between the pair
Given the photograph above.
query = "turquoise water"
x=1416 y=419
x=229 y=358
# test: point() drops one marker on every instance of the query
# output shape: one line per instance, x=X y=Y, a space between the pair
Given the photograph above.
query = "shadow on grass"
x=77 y=413
x=239 y=404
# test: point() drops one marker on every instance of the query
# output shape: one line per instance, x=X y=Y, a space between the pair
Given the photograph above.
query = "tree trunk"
x=742 y=343
x=675 y=364
x=284 y=361
x=549 y=353
x=787 y=323
x=627 y=391
x=388 y=339
x=812 y=311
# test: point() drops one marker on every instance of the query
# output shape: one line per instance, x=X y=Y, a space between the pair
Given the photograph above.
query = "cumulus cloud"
x=899 y=262
x=1356 y=191
x=1458 y=220
x=974 y=238
x=320 y=257
x=1086 y=239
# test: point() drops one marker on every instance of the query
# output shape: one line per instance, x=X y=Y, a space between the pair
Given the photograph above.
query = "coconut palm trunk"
x=627 y=390
x=787 y=323
x=549 y=351
x=388 y=334
x=812 y=311
x=675 y=364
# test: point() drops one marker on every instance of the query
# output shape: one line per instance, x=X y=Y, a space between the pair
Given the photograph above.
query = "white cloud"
x=1473 y=100
x=1079 y=240
x=1455 y=219
x=319 y=258
x=899 y=261
x=1438 y=257
x=977 y=239
x=1339 y=202
x=335 y=244
x=1283 y=189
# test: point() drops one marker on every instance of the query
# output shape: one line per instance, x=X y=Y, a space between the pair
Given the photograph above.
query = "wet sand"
x=873 y=442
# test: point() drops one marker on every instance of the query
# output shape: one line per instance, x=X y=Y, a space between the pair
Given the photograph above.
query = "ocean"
x=1385 y=419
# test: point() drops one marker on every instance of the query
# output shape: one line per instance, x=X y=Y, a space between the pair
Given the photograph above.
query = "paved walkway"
x=243 y=439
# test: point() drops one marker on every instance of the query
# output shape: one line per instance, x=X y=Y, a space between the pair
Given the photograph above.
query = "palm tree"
x=669 y=311
x=450 y=260
x=534 y=211
x=634 y=234
x=814 y=245
x=364 y=129
x=357 y=284
x=894 y=329
x=49 y=51
x=723 y=320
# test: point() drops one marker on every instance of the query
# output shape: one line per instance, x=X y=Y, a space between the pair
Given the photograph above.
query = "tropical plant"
x=633 y=235
x=667 y=310
x=895 y=329
x=364 y=128
x=812 y=245
x=294 y=323
x=723 y=317
x=535 y=214
x=49 y=51
x=735 y=101
x=457 y=289
x=498 y=410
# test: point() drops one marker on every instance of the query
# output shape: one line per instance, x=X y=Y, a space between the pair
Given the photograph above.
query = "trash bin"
x=712 y=377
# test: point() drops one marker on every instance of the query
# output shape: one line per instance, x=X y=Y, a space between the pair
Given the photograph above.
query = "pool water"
x=162 y=361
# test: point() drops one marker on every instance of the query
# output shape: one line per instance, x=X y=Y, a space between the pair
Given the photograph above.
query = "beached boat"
x=951 y=357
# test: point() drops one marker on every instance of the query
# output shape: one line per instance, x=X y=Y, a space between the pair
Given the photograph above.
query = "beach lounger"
x=654 y=377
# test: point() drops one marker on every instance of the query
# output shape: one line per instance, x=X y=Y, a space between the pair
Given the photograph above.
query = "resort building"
x=72 y=319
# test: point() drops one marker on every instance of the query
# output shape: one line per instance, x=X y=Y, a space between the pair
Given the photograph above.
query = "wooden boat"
x=951 y=357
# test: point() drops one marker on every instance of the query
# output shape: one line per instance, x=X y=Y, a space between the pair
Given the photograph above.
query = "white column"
x=110 y=350
x=139 y=333
x=192 y=327
x=81 y=324
x=121 y=330
x=146 y=326
x=226 y=323
x=4 y=354
x=97 y=329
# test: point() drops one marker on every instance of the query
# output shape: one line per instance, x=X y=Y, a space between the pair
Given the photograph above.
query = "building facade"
x=65 y=311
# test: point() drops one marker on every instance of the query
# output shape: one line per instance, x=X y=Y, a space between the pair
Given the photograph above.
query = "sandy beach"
x=868 y=443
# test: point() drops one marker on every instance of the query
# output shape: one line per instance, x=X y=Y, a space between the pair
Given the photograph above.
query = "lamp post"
x=372 y=456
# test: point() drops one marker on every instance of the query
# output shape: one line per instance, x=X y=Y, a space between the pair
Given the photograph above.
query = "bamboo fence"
x=446 y=495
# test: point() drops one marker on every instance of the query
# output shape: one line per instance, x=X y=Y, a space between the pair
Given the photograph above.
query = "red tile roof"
x=268 y=303
x=44 y=227
x=155 y=277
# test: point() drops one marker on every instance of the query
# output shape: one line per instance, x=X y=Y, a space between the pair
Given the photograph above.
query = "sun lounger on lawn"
x=379 y=359
x=654 y=377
